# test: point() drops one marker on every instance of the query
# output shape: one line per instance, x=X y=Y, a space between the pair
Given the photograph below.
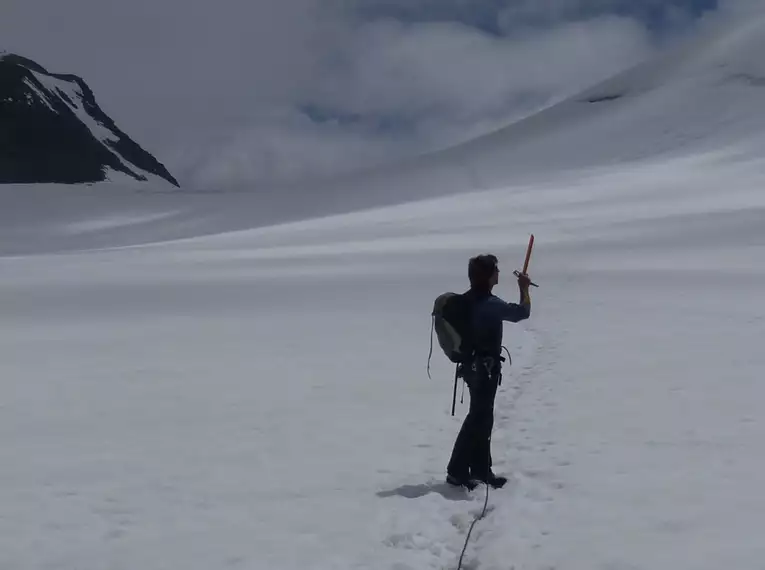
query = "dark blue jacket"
x=489 y=312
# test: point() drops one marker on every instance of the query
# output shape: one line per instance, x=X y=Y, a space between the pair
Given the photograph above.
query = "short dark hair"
x=480 y=270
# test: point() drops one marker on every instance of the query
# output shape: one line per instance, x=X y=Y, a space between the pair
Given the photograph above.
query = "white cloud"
x=455 y=71
x=736 y=9
x=444 y=82
x=282 y=147
x=448 y=82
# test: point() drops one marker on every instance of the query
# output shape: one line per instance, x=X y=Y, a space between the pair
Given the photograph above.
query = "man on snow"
x=471 y=462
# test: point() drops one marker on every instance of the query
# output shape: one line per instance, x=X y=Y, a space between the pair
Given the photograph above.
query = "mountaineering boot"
x=496 y=481
x=466 y=482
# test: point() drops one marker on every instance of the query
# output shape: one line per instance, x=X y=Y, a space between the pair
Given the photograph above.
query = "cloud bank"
x=277 y=90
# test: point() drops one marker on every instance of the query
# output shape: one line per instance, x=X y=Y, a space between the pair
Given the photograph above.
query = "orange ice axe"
x=527 y=260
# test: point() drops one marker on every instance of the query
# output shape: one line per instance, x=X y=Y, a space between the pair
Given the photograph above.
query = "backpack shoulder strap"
x=430 y=354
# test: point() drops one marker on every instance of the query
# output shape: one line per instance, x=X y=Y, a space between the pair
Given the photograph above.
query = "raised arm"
x=515 y=312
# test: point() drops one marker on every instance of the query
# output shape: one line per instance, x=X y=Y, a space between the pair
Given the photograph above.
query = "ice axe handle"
x=518 y=274
x=528 y=254
x=526 y=261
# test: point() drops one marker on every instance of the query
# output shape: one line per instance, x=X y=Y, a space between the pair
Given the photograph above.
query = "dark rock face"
x=53 y=131
x=604 y=98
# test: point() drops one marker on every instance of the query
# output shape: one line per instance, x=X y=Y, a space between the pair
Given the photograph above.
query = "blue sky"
x=289 y=87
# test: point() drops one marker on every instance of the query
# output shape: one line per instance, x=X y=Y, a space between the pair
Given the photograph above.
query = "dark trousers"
x=471 y=456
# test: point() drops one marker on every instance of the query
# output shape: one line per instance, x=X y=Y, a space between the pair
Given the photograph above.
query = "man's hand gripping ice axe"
x=524 y=274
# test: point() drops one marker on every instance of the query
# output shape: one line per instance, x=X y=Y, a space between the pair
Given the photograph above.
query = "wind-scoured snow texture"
x=260 y=398
x=52 y=130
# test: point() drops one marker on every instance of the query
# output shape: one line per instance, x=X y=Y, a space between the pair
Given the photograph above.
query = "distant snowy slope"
x=707 y=95
x=704 y=96
x=52 y=130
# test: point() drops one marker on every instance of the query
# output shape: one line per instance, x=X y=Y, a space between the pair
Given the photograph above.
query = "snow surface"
x=237 y=380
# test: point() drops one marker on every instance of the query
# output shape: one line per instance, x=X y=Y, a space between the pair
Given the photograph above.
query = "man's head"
x=483 y=272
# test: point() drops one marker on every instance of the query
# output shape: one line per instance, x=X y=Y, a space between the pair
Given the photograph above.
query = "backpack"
x=451 y=321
